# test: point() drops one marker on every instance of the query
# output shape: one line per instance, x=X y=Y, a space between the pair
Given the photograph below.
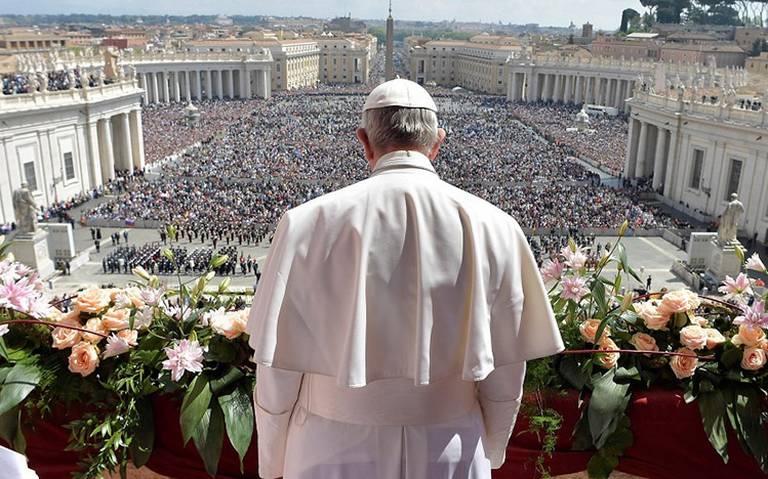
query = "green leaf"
x=598 y=292
x=239 y=419
x=601 y=465
x=747 y=412
x=144 y=438
x=230 y=377
x=19 y=382
x=606 y=407
x=194 y=406
x=731 y=357
x=569 y=369
x=11 y=431
x=209 y=437
x=712 y=407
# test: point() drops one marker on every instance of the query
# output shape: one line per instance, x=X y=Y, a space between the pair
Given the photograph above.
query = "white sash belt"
x=387 y=402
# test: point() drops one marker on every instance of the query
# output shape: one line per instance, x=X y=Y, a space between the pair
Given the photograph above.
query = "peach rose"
x=231 y=324
x=128 y=297
x=588 y=330
x=92 y=301
x=644 y=342
x=749 y=336
x=95 y=325
x=684 y=366
x=694 y=337
x=679 y=301
x=754 y=358
x=130 y=336
x=701 y=321
x=84 y=358
x=653 y=317
x=608 y=360
x=714 y=338
x=116 y=319
x=54 y=315
x=64 y=338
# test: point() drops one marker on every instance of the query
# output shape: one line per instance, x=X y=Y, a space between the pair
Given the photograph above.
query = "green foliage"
x=16 y=383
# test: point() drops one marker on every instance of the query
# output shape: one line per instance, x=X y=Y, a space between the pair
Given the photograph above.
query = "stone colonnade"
x=570 y=87
x=165 y=83
x=650 y=147
x=115 y=143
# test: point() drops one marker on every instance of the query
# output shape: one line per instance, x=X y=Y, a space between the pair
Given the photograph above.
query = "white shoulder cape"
x=400 y=275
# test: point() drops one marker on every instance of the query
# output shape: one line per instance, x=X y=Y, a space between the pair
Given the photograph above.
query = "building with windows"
x=27 y=41
x=63 y=143
x=296 y=61
x=699 y=153
x=479 y=64
x=345 y=59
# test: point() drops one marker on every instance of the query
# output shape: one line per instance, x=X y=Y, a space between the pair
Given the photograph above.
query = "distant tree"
x=626 y=17
x=666 y=11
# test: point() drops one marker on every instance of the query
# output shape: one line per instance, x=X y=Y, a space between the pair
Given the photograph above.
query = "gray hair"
x=405 y=127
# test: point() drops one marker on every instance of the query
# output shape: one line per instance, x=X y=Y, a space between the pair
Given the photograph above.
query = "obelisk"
x=389 y=63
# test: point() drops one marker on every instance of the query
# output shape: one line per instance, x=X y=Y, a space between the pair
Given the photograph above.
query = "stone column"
x=568 y=88
x=92 y=146
x=671 y=162
x=547 y=83
x=579 y=89
x=208 y=85
x=155 y=96
x=105 y=150
x=219 y=85
x=630 y=158
x=246 y=80
x=126 y=148
x=198 y=89
x=137 y=139
x=659 y=159
x=558 y=86
x=267 y=77
x=641 y=153
x=515 y=87
x=166 y=91
x=176 y=87
x=145 y=87
x=187 y=86
x=231 y=84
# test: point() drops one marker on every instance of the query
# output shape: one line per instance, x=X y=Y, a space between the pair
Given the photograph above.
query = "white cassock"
x=14 y=465
x=391 y=329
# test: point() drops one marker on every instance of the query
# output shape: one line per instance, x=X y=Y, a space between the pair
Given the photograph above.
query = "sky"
x=605 y=14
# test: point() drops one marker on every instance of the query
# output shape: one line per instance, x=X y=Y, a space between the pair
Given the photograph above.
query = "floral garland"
x=617 y=342
x=113 y=351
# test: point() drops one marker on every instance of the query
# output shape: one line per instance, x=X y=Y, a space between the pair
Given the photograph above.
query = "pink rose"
x=754 y=358
x=95 y=325
x=116 y=319
x=64 y=338
x=643 y=342
x=92 y=301
x=694 y=337
x=749 y=336
x=84 y=358
x=684 y=366
x=130 y=336
x=714 y=338
x=231 y=324
x=607 y=360
x=653 y=317
x=679 y=301
x=588 y=330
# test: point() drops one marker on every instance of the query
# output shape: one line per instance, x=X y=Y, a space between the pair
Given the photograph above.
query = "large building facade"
x=479 y=64
x=346 y=59
x=63 y=143
x=699 y=153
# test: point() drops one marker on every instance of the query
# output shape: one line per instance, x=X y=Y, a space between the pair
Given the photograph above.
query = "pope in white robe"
x=394 y=318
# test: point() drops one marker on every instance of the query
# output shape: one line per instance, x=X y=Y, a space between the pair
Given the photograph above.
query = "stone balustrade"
x=49 y=99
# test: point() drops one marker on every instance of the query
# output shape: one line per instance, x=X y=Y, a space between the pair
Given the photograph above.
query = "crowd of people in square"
x=606 y=146
x=66 y=79
x=263 y=157
x=187 y=261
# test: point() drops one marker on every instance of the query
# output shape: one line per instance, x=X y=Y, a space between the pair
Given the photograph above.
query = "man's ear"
x=362 y=135
x=435 y=149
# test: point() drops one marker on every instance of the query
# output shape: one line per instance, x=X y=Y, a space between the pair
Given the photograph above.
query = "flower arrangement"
x=116 y=348
x=617 y=342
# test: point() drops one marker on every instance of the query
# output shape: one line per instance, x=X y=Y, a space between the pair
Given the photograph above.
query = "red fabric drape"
x=669 y=444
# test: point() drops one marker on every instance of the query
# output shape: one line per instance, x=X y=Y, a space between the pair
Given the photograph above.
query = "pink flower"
x=552 y=270
x=588 y=330
x=644 y=342
x=185 y=356
x=736 y=288
x=684 y=366
x=115 y=346
x=653 y=316
x=574 y=259
x=754 y=316
x=17 y=295
x=151 y=296
x=574 y=288
x=755 y=263
x=694 y=337
x=84 y=358
x=8 y=272
x=754 y=358
x=607 y=360
x=714 y=338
